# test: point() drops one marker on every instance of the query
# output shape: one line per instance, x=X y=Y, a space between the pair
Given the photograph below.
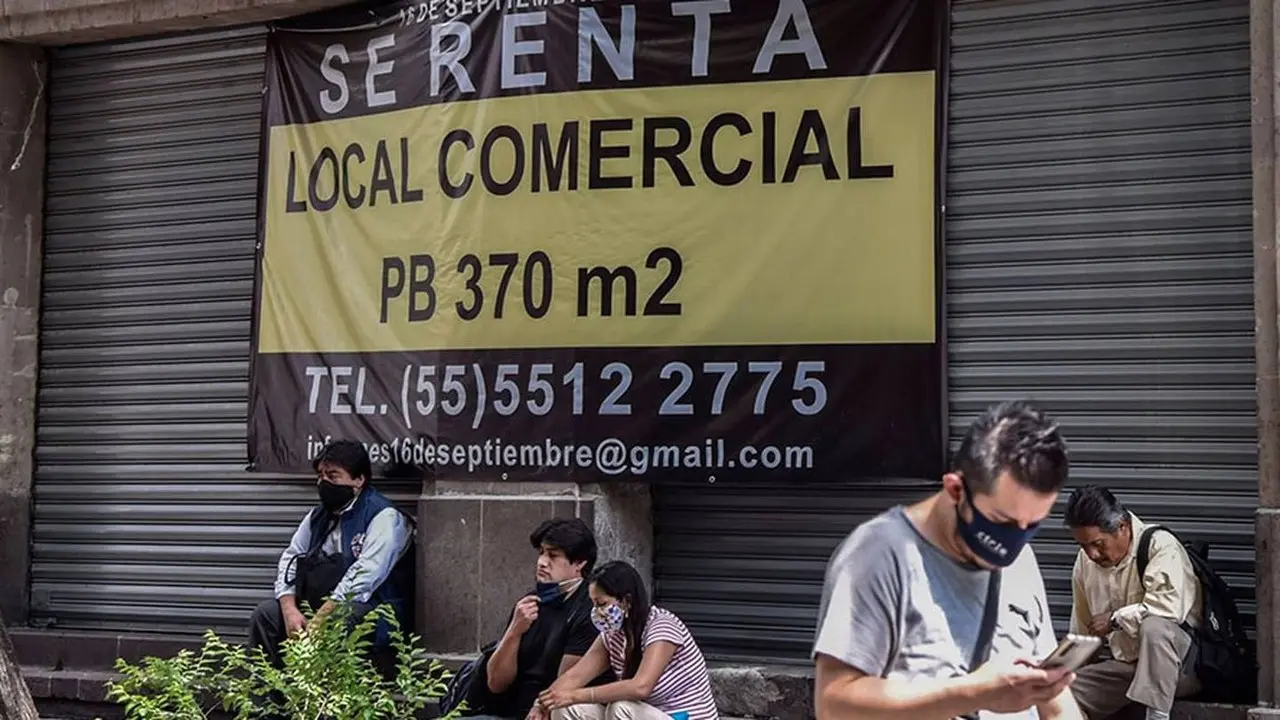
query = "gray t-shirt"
x=894 y=605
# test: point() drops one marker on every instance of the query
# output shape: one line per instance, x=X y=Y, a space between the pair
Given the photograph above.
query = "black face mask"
x=335 y=497
x=997 y=543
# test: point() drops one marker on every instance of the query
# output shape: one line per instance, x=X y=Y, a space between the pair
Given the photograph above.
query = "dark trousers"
x=267 y=631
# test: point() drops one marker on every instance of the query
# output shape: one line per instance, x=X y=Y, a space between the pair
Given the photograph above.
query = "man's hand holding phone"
x=1073 y=653
x=1016 y=688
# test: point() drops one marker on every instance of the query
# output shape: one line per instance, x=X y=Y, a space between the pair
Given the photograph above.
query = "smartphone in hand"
x=1072 y=653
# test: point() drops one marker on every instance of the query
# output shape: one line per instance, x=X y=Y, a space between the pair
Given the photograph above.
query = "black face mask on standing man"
x=335 y=497
x=997 y=543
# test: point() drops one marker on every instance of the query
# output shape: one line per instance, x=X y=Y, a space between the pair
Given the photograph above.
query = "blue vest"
x=397 y=589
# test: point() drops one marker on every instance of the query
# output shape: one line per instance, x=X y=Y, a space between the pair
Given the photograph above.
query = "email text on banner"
x=610 y=456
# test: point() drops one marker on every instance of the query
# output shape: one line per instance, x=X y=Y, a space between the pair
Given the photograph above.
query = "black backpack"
x=1225 y=661
x=469 y=685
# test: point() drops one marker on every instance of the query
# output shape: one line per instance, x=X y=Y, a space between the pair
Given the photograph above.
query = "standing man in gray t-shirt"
x=900 y=632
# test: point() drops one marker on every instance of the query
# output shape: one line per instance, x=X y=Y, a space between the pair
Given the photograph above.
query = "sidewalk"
x=67 y=672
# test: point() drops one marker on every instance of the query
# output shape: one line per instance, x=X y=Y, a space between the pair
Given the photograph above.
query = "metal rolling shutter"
x=1098 y=260
x=144 y=517
x=1099 y=255
x=743 y=565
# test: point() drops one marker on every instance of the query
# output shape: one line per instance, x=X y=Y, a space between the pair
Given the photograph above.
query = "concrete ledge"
x=69 y=669
x=786 y=693
x=59 y=650
x=82 y=686
x=1209 y=711
x=72 y=710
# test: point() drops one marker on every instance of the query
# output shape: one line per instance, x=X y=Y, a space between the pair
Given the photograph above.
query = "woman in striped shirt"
x=661 y=668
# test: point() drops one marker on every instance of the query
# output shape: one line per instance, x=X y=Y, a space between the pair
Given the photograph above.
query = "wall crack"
x=31 y=118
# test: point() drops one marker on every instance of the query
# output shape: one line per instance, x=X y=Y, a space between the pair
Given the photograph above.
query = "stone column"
x=475 y=559
x=1263 y=18
x=23 y=95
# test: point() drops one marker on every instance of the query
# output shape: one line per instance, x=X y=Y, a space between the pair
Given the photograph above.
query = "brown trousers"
x=1161 y=674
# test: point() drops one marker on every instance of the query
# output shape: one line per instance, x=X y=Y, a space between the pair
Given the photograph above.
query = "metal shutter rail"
x=1099 y=256
x=144 y=517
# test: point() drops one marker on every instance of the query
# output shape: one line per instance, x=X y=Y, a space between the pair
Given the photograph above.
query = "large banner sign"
x=655 y=239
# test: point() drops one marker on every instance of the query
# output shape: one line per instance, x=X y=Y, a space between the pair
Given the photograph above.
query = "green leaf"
x=326 y=674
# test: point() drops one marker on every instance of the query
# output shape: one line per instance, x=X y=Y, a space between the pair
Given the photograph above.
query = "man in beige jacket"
x=1141 y=618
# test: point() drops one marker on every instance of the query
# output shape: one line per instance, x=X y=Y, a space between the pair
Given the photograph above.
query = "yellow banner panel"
x=778 y=213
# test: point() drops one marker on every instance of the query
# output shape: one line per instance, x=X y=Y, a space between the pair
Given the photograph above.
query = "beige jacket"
x=1169 y=589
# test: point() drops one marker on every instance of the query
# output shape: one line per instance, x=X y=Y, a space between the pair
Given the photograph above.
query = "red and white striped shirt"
x=684 y=685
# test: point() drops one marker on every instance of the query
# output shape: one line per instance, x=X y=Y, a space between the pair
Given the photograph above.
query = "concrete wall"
x=63 y=22
x=22 y=151
x=1263 y=21
x=475 y=559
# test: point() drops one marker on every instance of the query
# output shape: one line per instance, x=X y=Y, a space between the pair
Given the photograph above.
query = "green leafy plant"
x=327 y=674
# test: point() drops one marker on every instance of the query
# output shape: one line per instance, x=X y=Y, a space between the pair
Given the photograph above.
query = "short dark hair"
x=1094 y=506
x=1016 y=438
x=570 y=535
x=348 y=455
